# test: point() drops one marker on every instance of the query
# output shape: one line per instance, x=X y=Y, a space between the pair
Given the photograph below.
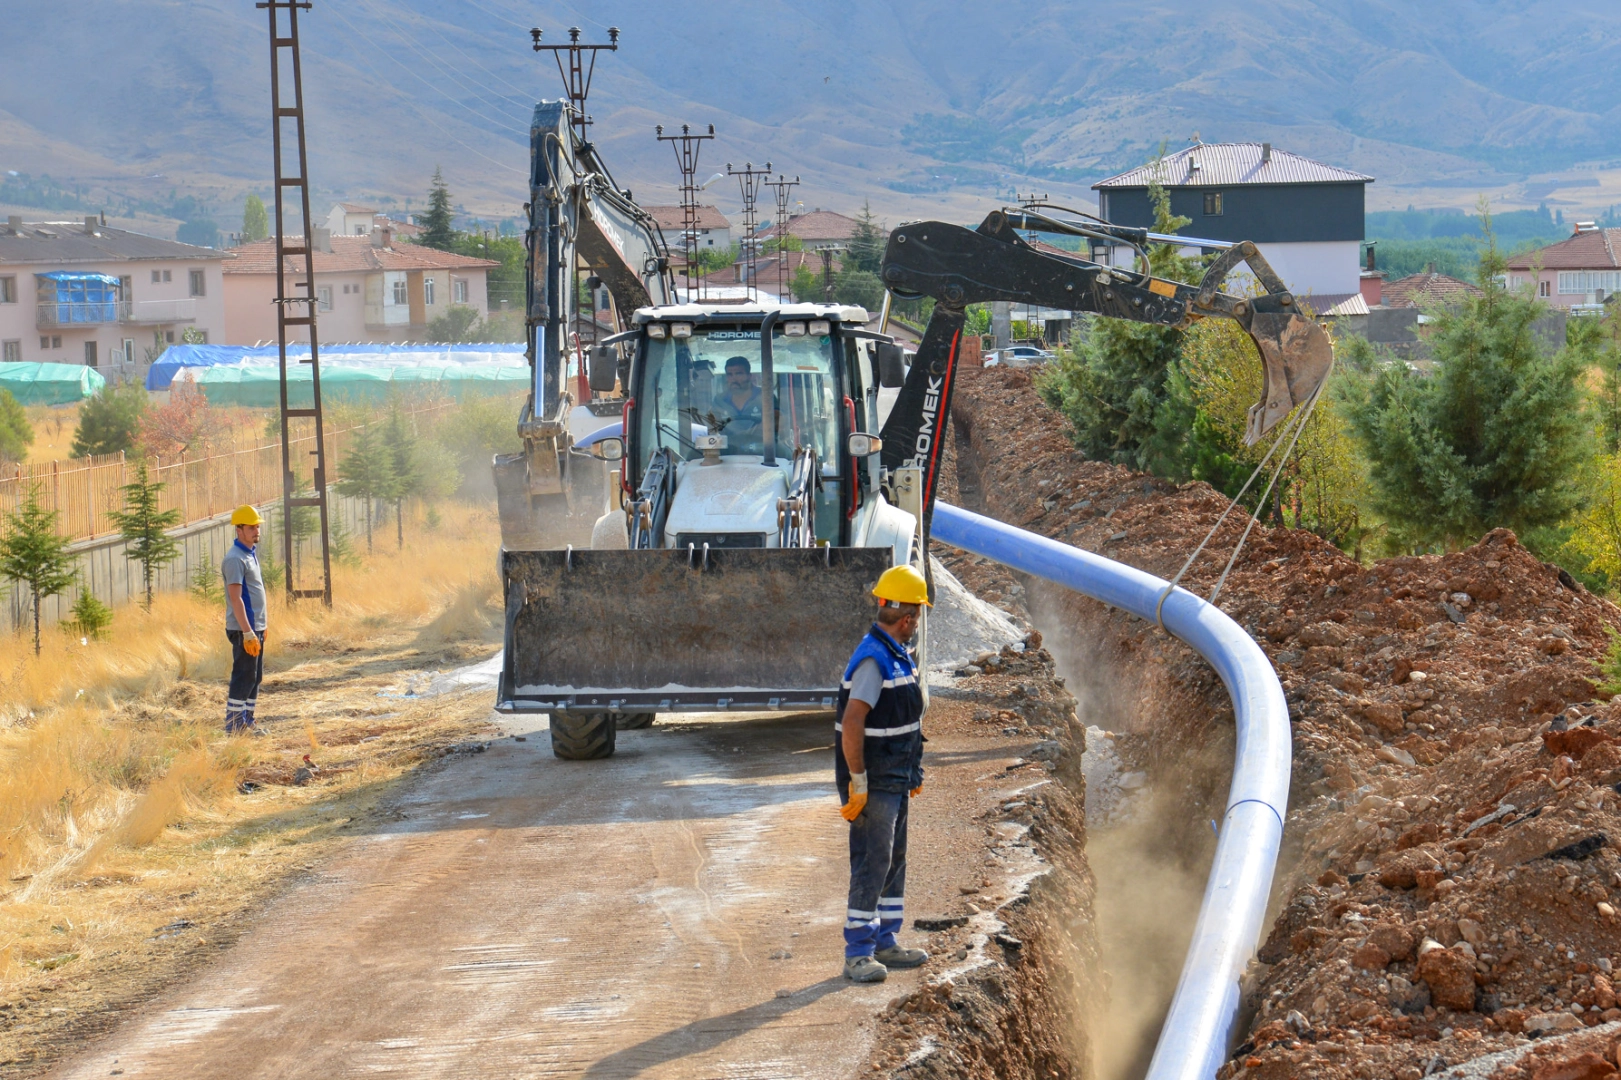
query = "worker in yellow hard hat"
x=878 y=768
x=244 y=620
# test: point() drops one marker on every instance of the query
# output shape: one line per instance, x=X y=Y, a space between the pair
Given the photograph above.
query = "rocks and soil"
x=1450 y=881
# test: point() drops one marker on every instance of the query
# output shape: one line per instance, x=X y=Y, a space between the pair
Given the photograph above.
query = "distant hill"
x=919 y=106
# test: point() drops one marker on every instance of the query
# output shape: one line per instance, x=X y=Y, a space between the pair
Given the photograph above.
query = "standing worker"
x=244 y=620
x=878 y=767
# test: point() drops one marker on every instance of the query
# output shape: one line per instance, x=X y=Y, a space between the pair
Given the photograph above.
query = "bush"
x=90 y=616
x=110 y=421
x=16 y=433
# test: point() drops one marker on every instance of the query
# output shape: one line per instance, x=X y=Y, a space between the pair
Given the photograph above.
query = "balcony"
x=56 y=314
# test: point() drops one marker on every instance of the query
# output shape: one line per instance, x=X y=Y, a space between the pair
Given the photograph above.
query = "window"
x=1212 y=204
x=90 y=354
x=197 y=283
x=129 y=350
x=1544 y=288
x=323 y=297
x=427 y=290
x=56 y=341
x=168 y=337
x=44 y=341
x=12 y=352
x=167 y=275
x=1586 y=281
x=157 y=276
x=8 y=290
x=458 y=290
x=398 y=293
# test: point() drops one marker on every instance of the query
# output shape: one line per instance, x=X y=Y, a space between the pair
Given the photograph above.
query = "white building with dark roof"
x=81 y=292
x=714 y=231
x=1306 y=217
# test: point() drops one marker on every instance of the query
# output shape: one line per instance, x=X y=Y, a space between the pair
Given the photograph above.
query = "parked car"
x=1018 y=356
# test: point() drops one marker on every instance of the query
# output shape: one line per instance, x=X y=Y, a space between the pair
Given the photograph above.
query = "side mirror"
x=604 y=368
x=864 y=445
x=609 y=449
x=891 y=366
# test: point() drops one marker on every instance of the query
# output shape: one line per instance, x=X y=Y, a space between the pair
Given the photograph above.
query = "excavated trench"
x=1153 y=776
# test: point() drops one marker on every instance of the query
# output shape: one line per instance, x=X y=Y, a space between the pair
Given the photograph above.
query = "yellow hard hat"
x=246 y=515
x=903 y=585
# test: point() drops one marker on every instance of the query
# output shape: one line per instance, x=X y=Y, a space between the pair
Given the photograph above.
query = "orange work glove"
x=252 y=645
x=917 y=791
x=858 y=797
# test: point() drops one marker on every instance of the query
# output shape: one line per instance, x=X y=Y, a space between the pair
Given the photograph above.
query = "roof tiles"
x=65 y=243
x=353 y=254
x=1595 y=249
x=1228 y=164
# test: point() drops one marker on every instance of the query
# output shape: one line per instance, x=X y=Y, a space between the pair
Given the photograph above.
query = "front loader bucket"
x=670 y=630
x=1295 y=358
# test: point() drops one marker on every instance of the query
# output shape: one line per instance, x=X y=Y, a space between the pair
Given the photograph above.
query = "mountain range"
x=919 y=107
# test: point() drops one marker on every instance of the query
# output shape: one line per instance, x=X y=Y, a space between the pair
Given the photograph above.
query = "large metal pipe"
x=1194 y=1041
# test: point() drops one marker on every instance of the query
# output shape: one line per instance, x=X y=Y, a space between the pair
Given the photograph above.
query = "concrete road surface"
x=674 y=911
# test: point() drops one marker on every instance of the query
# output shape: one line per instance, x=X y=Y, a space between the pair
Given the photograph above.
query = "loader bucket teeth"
x=1295 y=359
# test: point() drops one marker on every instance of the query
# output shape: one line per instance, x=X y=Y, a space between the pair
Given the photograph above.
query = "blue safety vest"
x=893 y=747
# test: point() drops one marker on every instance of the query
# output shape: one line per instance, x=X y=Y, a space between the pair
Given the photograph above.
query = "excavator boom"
x=959 y=266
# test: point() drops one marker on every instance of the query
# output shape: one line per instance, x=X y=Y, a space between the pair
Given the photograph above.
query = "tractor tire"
x=582 y=736
x=634 y=721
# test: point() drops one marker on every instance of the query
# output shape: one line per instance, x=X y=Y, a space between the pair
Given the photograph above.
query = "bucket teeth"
x=1296 y=356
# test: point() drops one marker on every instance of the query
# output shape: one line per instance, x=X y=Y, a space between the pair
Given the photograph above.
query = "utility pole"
x=686 y=146
x=827 y=270
x=284 y=40
x=782 y=188
x=577 y=75
x=749 y=180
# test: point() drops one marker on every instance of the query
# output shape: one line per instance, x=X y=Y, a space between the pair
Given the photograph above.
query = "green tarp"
x=258 y=385
x=50 y=384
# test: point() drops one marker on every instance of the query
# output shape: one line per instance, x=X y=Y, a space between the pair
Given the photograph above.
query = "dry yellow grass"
x=120 y=811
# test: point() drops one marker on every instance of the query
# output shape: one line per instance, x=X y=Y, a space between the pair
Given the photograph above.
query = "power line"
x=450 y=72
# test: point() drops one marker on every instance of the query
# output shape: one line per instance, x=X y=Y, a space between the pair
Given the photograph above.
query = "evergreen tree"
x=1496 y=436
x=437 y=223
x=16 y=433
x=34 y=554
x=110 y=421
x=255 y=221
x=1111 y=383
x=367 y=472
x=144 y=527
x=866 y=249
x=90 y=616
x=405 y=465
x=859 y=287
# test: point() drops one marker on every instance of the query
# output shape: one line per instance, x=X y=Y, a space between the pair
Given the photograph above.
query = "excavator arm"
x=958 y=267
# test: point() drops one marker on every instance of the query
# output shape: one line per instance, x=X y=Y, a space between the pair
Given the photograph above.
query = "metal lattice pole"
x=299 y=309
x=686 y=146
x=578 y=72
x=782 y=188
x=749 y=180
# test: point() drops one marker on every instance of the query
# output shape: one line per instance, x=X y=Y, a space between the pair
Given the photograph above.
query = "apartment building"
x=82 y=292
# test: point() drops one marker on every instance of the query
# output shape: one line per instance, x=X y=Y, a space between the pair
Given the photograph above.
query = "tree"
x=367 y=472
x=805 y=284
x=458 y=323
x=1497 y=436
x=866 y=250
x=182 y=426
x=405 y=465
x=144 y=527
x=32 y=553
x=255 y=221
x=859 y=287
x=1111 y=383
x=438 y=222
x=110 y=421
x=90 y=616
x=16 y=433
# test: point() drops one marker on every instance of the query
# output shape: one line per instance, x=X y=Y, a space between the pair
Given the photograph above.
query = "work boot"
x=864 y=969
x=897 y=957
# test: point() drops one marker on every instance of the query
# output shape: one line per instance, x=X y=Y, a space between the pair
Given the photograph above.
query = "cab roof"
x=735 y=313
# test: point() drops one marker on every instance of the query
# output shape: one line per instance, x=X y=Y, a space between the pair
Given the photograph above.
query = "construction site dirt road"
x=674 y=911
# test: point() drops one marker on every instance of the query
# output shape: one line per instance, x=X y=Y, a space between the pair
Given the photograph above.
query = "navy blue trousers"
x=877 y=874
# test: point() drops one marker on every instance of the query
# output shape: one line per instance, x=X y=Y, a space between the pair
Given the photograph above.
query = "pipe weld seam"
x=1262 y=802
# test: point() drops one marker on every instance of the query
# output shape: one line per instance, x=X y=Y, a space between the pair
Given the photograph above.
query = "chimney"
x=382 y=237
x=1585 y=226
x=1429 y=268
x=322 y=239
x=90 y=225
x=1266 y=153
x=14 y=222
x=1373 y=263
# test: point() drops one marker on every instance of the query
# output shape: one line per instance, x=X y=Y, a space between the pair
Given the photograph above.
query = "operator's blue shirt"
x=241 y=567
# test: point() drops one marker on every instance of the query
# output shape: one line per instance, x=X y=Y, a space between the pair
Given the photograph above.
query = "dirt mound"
x=1453 y=872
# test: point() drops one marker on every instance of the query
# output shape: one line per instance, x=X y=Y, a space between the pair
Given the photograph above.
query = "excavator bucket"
x=671 y=630
x=1295 y=359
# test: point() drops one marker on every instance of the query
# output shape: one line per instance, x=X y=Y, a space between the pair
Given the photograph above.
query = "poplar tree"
x=367 y=472
x=34 y=554
x=255 y=220
x=438 y=222
x=144 y=527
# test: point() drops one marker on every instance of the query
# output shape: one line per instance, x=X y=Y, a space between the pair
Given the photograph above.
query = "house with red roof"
x=713 y=230
x=368 y=288
x=816 y=230
x=1583 y=270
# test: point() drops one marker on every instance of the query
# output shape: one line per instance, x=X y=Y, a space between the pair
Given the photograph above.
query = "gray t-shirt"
x=867 y=682
x=241 y=567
